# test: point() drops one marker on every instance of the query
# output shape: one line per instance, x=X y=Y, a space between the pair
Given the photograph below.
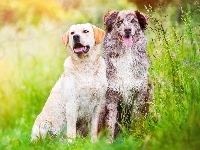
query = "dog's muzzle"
x=78 y=47
x=127 y=38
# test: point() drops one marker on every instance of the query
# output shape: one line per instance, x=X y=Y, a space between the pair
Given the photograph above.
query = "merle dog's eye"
x=85 y=31
x=72 y=33
x=133 y=20
x=120 y=22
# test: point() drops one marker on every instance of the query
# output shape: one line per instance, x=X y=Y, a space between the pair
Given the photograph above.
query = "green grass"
x=31 y=62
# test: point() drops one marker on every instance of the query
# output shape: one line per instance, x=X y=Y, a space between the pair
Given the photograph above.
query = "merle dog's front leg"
x=112 y=99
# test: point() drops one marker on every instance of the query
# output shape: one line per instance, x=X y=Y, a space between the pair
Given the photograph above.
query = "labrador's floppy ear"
x=65 y=38
x=98 y=34
x=143 y=19
x=109 y=19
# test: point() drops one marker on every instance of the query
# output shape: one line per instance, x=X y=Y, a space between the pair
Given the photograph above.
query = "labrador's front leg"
x=94 y=124
x=71 y=116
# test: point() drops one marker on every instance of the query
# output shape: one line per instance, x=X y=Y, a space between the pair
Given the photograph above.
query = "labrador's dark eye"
x=85 y=31
x=72 y=33
x=133 y=20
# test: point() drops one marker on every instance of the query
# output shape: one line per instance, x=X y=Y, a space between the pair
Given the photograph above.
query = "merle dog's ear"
x=109 y=18
x=143 y=19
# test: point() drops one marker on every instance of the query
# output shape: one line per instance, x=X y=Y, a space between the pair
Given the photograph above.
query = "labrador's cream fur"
x=78 y=95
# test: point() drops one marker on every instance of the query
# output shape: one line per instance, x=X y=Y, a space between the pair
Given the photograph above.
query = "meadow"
x=32 y=57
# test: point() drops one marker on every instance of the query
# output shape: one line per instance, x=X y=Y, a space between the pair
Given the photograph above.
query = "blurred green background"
x=32 y=56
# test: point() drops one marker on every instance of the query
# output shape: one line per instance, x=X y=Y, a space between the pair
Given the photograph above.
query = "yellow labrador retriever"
x=78 y=95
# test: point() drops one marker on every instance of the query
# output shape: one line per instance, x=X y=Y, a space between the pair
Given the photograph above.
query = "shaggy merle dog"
x=127 y=63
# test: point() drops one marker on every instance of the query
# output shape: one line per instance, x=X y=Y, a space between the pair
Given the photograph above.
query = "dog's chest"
x=124 y=72
x=130 y=73
x=88 y=95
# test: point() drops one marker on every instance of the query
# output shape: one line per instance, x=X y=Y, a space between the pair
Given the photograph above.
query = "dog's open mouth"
x=80 y=49
x=127 y=39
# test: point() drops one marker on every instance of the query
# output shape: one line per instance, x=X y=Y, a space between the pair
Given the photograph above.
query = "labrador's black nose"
x=76 y=38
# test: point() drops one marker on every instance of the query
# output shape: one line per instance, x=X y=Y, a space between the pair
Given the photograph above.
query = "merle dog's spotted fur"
x=127 y=67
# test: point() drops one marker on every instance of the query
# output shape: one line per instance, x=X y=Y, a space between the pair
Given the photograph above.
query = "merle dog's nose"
x=76 y=38
x=127 y=31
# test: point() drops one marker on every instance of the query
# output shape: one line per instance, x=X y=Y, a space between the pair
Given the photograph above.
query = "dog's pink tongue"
x=80 y=49
x=128 y=41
